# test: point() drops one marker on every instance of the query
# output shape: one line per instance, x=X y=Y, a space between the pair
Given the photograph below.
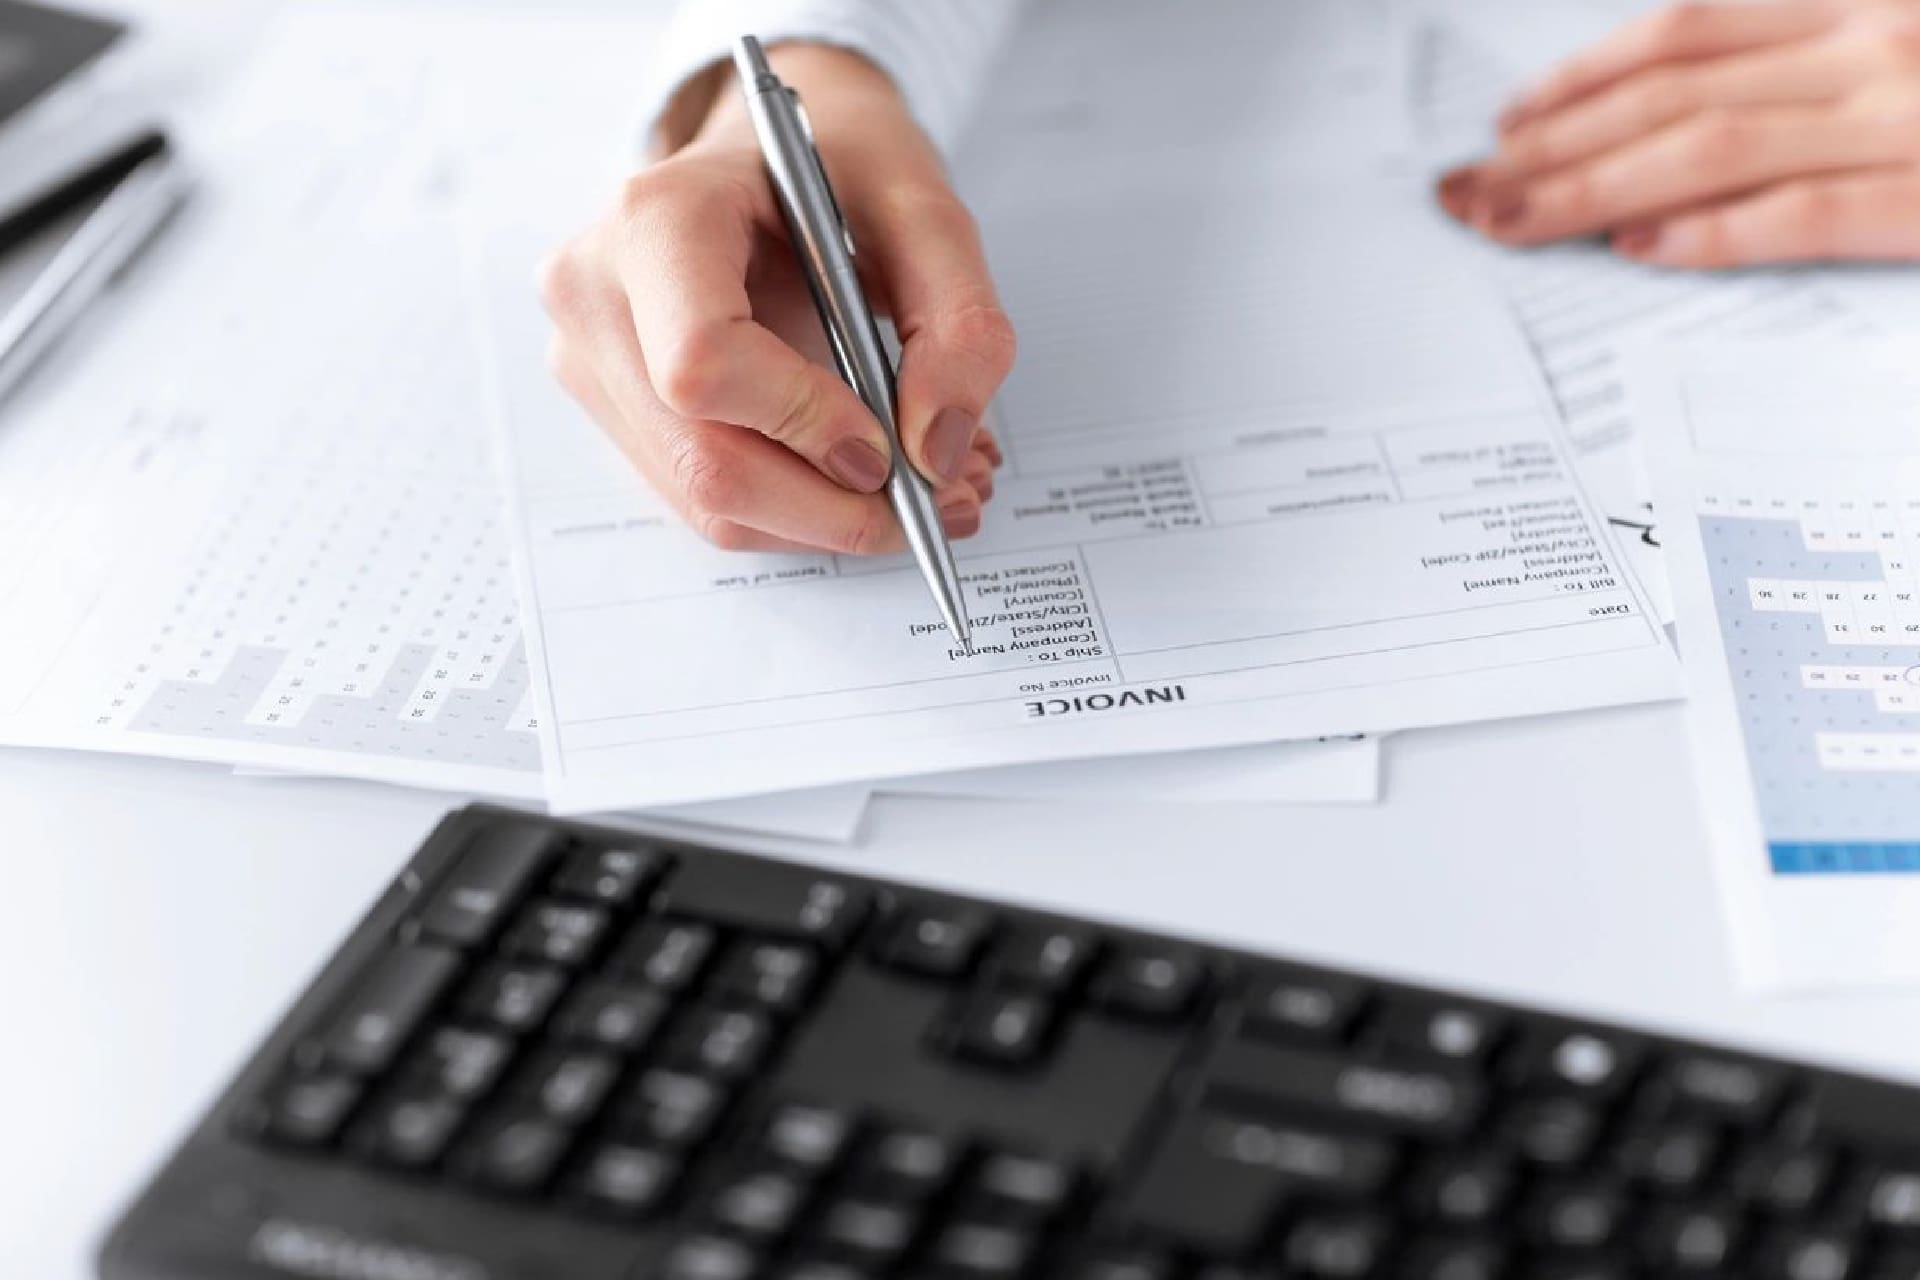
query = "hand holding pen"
x=685 y=327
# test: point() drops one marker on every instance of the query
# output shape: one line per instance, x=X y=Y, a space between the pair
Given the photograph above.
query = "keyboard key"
x=1589 y=1063
x=1740 y=1092
x=1344 y=1247
x=1465 y=1191
x=1785 y=1183
x=570 y=1087
x=1005 y=1029
x=760 y=1206
x=1125 y=1264
x=728 y=1043
x=809 y=1138
x=908 y=1164
x=1581 y=1267
x=1671 y=1158
x=937 y=942
x=612 y=878
x=710 y=1258
x=1893 y=1201
x=310 y=1110
x=777 y=976
x=463 y=1064
x=1435 y=1102
x=765 y=897
x=668 y=954
x=1053 y=960
x=612 y=1015
x=409 y=1132
x=486 y=882
x=1807 y=1255
x=1316 y=1009
x=367 y=1032
x=515 y=998
x=1576 y=1216
x=1452 y=1032
x=1690 y=1242
x=1468 y=1259
x=983 y=1251
x=1153 y=983
x=627 y=1180
x=1556 y=1133
x=673 y=1109
x=1215 y=1184
x=557 y=933
x=1024 y=1186
x=869 y=1231
x=516 y=1153
x=825 y=1271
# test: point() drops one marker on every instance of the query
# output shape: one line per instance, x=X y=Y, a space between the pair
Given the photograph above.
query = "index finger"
x=683 y=262
x=1679 y=33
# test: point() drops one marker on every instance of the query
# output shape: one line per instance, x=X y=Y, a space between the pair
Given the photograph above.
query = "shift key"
x=1419 y=1102
x=483 y=886
x=393 y=997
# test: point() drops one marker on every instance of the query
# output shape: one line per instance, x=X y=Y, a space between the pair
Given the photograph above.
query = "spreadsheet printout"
x=1791 y=478
x=1268 y=488
x=272 y=535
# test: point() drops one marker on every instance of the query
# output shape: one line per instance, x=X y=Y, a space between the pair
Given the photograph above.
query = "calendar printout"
x=1795 y=471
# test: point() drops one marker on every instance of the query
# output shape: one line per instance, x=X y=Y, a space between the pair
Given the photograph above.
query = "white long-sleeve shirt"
x=937 y=51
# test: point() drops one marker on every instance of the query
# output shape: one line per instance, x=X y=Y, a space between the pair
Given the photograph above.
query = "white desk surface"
x=158 y=917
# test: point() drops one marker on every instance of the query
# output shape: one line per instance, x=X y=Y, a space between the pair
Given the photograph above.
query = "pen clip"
x=820 y=167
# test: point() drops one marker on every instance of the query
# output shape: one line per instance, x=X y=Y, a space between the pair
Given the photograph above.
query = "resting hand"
x=1718 y=135
x=684 y=326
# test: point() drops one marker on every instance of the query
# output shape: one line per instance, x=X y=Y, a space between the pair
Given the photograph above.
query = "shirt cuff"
x=937 y=51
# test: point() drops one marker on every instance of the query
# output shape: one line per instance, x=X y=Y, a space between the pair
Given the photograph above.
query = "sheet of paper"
x=1790 y=478
x=1581 y=306
x=1334 y=771
x=1289 y=475
x=272 y=535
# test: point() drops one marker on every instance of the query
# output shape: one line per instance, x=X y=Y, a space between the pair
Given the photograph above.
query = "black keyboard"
x=556 y=1051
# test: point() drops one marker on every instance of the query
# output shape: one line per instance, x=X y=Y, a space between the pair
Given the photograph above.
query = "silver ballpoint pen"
x=825 y=248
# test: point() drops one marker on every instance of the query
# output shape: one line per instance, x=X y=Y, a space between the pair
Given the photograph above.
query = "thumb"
x=956 y=344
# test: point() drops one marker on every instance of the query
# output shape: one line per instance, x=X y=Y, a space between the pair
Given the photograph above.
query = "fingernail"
x=960 y=522
x=1638 y=240
x=948 y=440
x=858 y=465
x=1457 y=188
x=1504 y=210
x=1513 y=117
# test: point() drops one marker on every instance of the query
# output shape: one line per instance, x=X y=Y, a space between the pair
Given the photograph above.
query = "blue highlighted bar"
x=1851 y=857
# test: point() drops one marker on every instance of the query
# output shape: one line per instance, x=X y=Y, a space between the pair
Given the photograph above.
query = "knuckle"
x=1678 y=26
x=987 y=332
x=1899 y=42
x=1805 y=214
x=1661 y=96
x=801 y=409
x=708 y=484
x=562 y=283
x=1716 y=136
x=690 y=375
x=868 y=535
x=722 y=533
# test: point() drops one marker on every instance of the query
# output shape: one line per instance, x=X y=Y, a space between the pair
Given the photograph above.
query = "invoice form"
x=1289 y=474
